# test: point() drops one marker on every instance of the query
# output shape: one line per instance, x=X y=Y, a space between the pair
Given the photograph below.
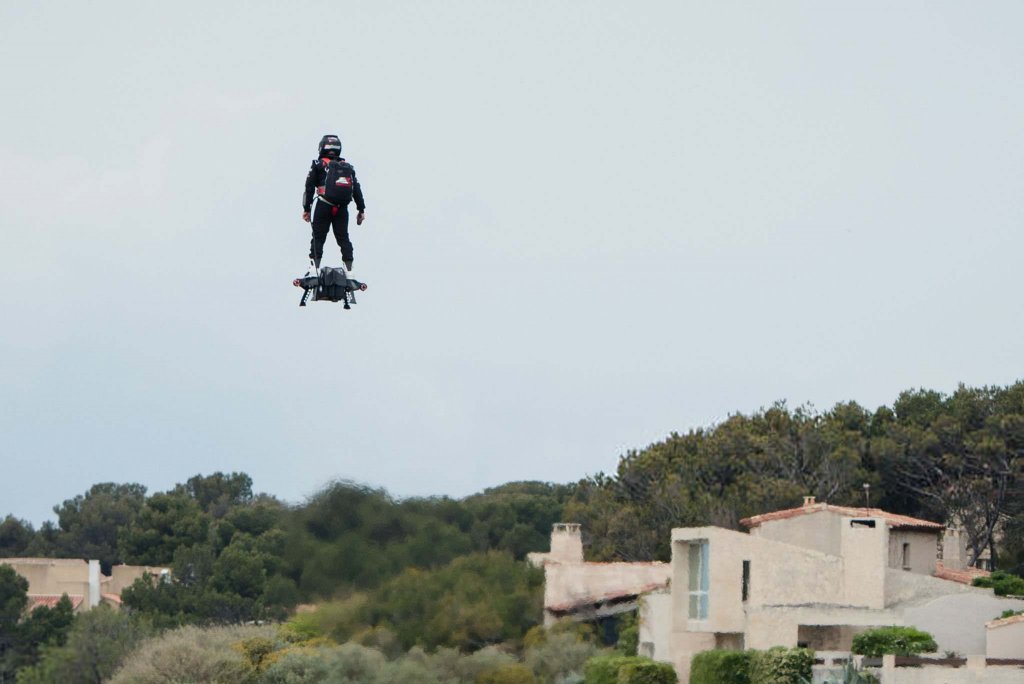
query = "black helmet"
x=330 y=147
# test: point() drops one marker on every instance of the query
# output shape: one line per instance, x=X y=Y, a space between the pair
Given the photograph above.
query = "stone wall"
x=975 y=672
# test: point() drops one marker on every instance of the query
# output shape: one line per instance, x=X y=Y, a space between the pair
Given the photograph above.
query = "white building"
x=815 y=576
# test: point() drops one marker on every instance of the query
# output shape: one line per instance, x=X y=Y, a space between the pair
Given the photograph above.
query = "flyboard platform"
x=329 y=284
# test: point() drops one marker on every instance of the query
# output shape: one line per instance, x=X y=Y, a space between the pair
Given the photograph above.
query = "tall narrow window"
x=698 y=565
x=906 y=556
x=746 y=580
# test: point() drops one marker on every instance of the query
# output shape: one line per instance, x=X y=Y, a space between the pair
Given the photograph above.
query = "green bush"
x=781 y=665
x=901 y=641
x=613 y=669
x=602 y=670
x=644 y=671
x=1003 y=583
x=721 y=667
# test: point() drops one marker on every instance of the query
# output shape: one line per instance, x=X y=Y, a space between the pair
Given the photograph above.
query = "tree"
x=475 y=600
x=166 y=521
x=517 y=516
x=13 y=599
x=218 y=493
x=960 y=460
x=89 y=523
x=42 y=627
x=240 y=569
x=44 y=543
x=15 y=536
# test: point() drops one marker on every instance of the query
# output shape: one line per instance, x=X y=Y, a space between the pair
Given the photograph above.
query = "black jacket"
x=315 y=183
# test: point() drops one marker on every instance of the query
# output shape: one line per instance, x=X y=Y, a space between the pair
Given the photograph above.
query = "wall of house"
x=783 y=625
x=958 y=621
x=818 y=531
x=685 y=645
x=75 y=577
x=779 y=574
x=52 y=575
x=1005 y=641
x=906 y=587
x=767 y=628
x=954 y=549
x=865 y=551
x=924 y=548
x=655 y=622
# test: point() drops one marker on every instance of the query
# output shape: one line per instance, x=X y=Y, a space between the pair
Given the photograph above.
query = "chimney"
x=566 y=543
x=94 y=584
x=808 y=501
x=954 y=549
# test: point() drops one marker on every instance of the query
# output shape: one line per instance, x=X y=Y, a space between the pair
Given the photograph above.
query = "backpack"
x=339 y=179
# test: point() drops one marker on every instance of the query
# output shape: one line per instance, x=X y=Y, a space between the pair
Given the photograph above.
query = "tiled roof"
x=965 y=576
x=893 y=519
x=50 y=600
x=608 y=596
x=1002 y=622
x=113 y=598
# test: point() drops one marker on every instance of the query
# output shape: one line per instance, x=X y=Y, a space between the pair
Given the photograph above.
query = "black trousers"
x=324 y=218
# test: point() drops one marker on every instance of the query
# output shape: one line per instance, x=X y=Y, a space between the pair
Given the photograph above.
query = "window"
x=906 y=556
x=862 y=523
x=698 y=562
x=746 y=580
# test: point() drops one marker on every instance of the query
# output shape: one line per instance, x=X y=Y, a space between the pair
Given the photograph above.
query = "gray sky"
x=589 y=224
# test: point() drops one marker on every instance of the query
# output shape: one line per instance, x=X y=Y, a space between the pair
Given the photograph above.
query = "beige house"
x=816 y=576
x=580 y=590
x=86 y=587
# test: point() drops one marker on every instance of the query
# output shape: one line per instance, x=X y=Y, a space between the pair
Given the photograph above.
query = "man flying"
x=331 y=181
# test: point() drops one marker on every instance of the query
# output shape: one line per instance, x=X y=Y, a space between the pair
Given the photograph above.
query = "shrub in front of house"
x=901 y=641
x=614 y=669
x=602 y=670
x=721 y=667
x=645 y=671
x=1002 y=583
x=781 y=665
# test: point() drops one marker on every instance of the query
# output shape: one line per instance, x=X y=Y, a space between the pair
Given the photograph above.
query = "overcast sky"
x=589 y=224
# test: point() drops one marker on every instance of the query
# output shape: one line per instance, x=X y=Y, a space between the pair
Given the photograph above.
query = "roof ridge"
x=894 y=519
